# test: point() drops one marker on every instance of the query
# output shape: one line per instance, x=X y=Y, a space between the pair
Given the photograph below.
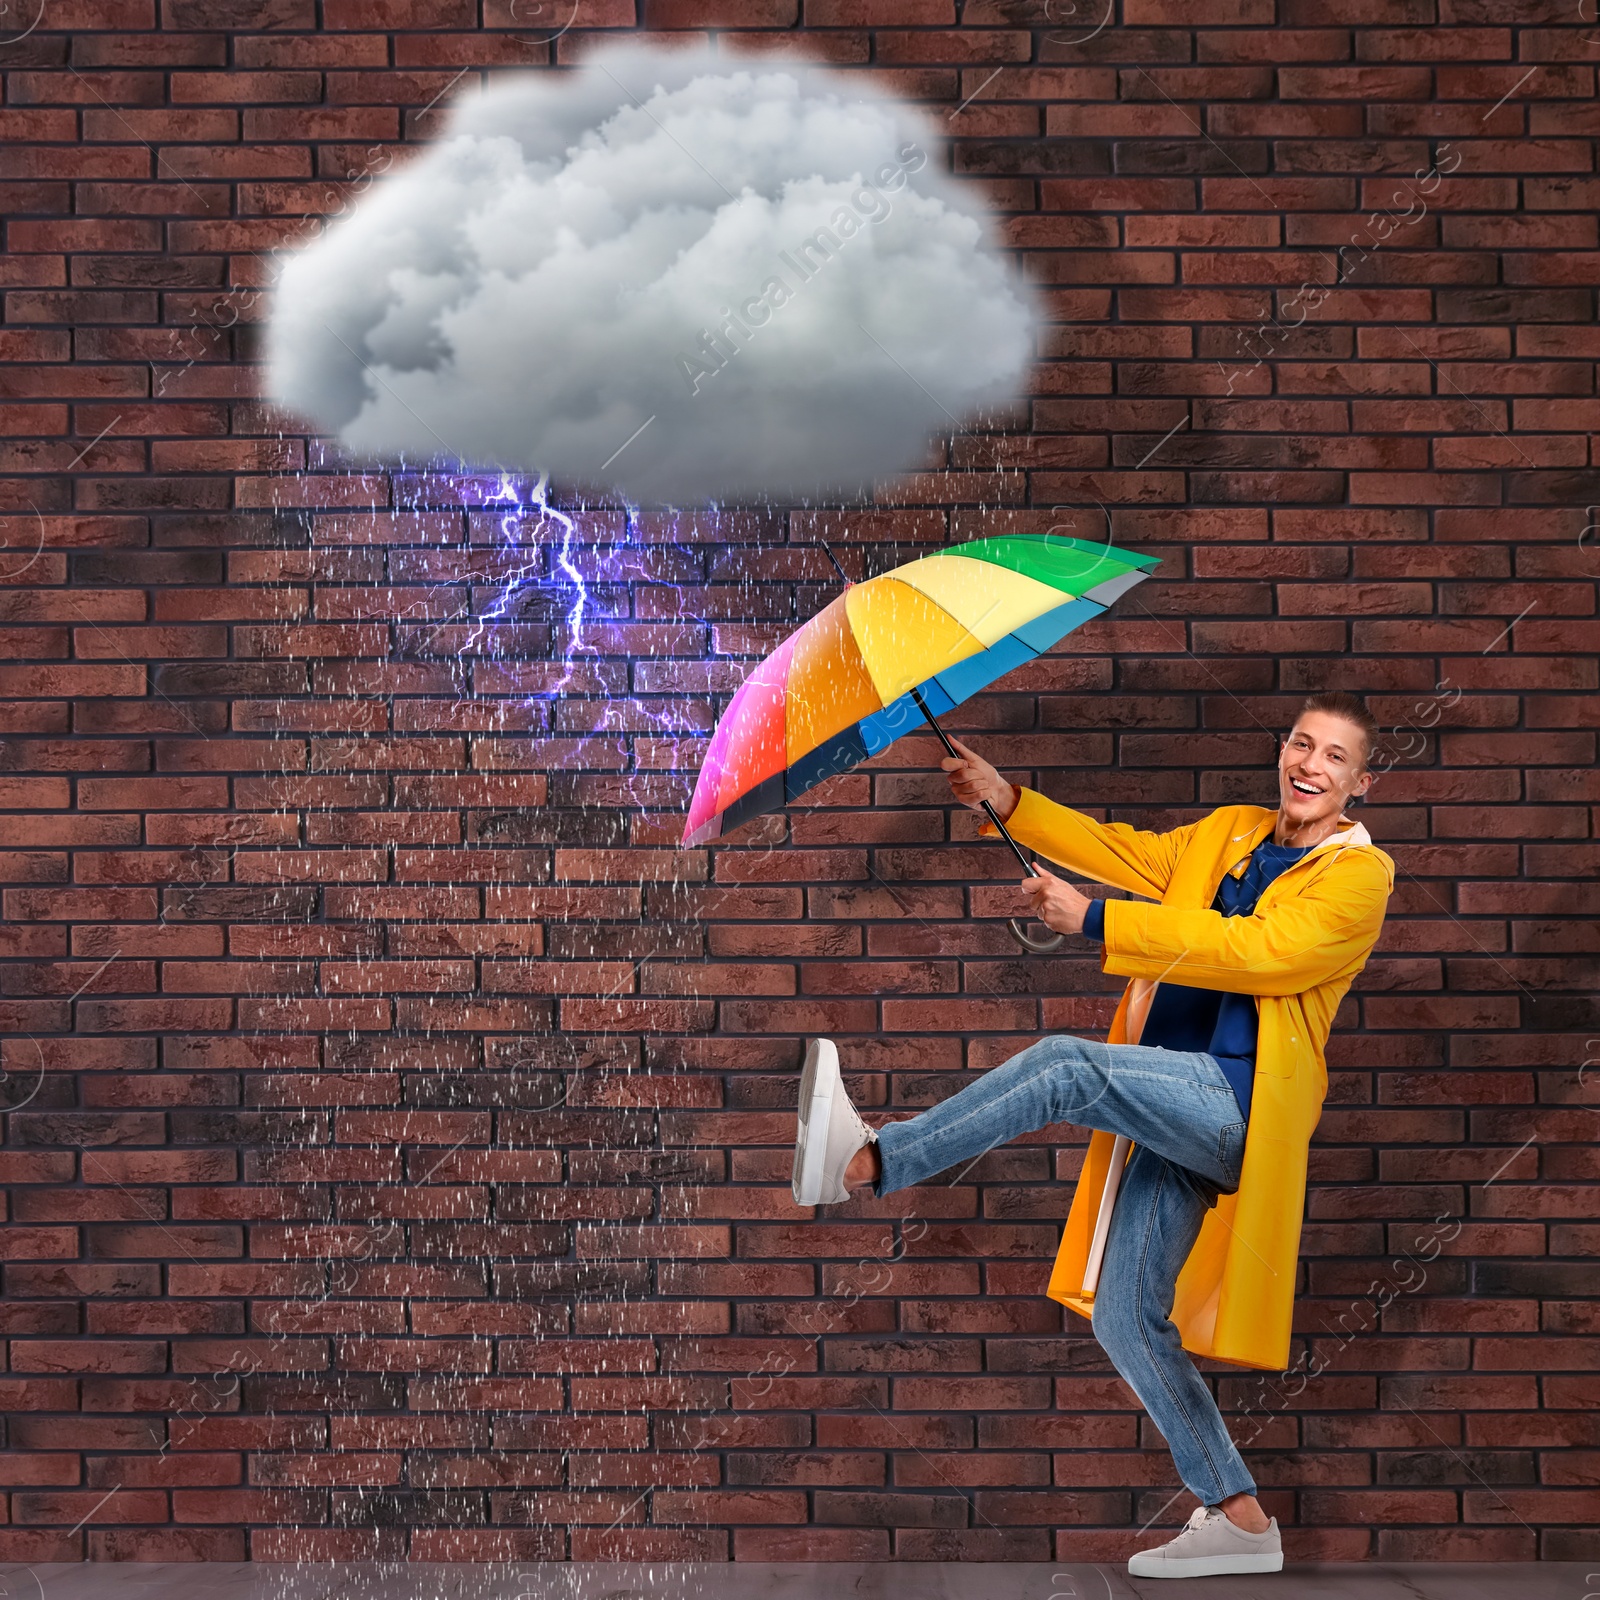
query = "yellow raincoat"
x=1311 y=933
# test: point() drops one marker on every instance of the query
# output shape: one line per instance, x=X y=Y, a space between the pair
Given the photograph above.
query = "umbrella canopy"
x=840 y=689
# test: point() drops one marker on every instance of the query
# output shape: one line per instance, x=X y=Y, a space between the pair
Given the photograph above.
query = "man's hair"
x=1348 y=708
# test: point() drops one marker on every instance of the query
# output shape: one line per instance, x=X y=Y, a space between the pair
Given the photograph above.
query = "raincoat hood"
x=1312 y=931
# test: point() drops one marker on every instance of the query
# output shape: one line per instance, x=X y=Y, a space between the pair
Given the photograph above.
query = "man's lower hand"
x=1055 y=902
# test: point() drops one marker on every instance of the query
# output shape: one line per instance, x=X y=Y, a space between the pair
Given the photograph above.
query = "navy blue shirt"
x=1222 y=1025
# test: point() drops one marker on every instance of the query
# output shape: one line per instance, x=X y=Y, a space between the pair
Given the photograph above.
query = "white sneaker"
x=830 y=1131
x=1211 y=1544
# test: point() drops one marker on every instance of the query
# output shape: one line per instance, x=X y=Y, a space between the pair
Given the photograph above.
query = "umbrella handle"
x=1038 y=947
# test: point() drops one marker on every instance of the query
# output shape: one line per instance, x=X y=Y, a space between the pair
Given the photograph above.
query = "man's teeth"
x=1304 y=788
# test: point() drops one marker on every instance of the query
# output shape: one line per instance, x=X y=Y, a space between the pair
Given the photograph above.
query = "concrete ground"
x=1549 y=1580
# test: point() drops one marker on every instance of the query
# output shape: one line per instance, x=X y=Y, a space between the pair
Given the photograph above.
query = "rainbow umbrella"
x=912 y=642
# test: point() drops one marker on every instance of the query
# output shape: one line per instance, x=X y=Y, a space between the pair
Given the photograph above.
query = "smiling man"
x=1213 y=1068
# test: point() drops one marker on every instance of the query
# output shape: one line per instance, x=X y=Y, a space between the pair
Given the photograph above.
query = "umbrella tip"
x=835 y=560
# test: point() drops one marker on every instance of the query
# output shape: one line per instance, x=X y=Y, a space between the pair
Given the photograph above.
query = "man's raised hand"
x=973 y=780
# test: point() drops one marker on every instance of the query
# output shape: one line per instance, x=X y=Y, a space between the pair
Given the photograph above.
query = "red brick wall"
x=398 y=1145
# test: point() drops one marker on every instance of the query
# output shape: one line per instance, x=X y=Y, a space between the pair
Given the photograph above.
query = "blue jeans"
x=1188 y=1135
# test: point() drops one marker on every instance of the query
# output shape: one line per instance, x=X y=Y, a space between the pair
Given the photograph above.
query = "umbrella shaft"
x=993 y=815
x=1027 y=865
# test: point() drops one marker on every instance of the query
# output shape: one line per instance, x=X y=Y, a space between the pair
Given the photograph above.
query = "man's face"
x=1323 y=764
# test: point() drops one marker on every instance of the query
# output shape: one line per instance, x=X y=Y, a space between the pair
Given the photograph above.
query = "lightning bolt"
x=525 y=570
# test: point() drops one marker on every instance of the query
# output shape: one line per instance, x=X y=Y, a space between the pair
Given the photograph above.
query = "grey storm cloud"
x=668 y=276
